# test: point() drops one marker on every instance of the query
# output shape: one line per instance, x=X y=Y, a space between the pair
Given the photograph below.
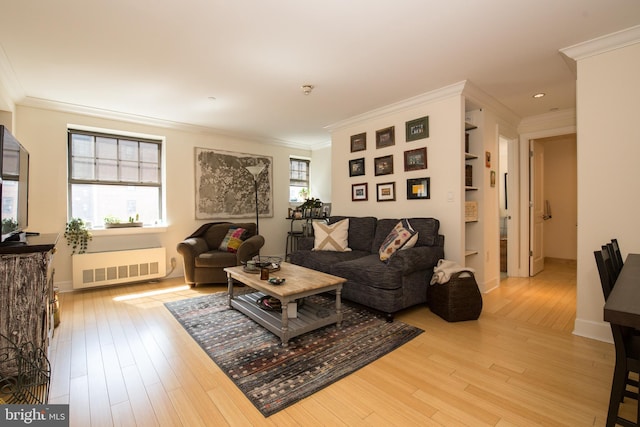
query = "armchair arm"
x=189 y=249
x=416 y=259
x=249 y=248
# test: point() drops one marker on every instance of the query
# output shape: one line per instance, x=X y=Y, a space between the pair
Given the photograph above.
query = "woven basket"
x=457 y=300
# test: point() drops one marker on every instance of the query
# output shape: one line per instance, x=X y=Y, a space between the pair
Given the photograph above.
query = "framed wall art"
x=359 y=192
x=418 y=188
x=415 y=159
x=386 y=191
x=359 y=142
x=356 y=167
x=225 y=188
x=383 y=165
x=385 y=137
x=417 y=129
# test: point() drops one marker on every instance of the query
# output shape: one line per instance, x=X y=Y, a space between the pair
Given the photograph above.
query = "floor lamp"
x=255 y=171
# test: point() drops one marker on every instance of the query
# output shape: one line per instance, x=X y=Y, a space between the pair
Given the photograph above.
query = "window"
x=114 y=176
x=298 y=180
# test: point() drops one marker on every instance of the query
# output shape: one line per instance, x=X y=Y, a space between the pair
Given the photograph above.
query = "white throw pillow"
x=332 y=237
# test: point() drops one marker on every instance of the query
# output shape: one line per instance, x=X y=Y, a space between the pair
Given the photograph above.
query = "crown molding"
x=483 y=100
x=603 y=44
x=562 y=119
x=425 y=98
x=63 y=107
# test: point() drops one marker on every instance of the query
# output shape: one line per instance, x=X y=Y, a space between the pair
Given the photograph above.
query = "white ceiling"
x=163 y=59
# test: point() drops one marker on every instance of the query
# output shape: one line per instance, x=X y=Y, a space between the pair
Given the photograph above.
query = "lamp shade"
x=255 y=170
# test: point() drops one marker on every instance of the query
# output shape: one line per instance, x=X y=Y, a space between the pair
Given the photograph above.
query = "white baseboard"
x=600 y=331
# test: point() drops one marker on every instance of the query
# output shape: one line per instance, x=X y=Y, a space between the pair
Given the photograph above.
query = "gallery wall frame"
x=386 y=192
x=359 y=192
x=359 y=142
x=417 y=129
x=418 y=188
x=383 y=165
x=356 y=167
x=385 y=137
x=225 y=188
x=415 y=159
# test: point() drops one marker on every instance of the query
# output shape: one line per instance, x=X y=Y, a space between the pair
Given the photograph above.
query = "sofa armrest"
x=249 y=248
x=416 y=259
x=190 y=249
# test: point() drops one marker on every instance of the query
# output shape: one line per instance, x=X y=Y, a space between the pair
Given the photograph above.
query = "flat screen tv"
x=14 y=187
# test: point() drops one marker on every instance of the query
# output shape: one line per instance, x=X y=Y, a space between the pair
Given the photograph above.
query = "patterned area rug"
x=274 y=377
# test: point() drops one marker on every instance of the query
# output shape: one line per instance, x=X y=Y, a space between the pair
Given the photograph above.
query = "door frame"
x=525 y=236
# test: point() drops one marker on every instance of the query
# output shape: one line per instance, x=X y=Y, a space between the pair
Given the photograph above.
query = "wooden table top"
x=298 y=280
x=623 y=305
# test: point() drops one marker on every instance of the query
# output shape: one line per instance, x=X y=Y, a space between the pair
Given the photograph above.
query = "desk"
x=623 y=305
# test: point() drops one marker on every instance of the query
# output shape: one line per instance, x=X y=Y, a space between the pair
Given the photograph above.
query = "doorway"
x=553 y=201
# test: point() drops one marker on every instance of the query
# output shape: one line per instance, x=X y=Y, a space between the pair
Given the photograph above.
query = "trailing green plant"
x=77 y=235
x=311 y=203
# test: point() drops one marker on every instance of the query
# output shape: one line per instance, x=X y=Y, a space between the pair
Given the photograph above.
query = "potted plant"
x=311 y=208
x=111 y=221
x=77 y=235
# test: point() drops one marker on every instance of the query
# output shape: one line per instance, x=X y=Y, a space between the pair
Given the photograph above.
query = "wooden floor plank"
x=518 y=365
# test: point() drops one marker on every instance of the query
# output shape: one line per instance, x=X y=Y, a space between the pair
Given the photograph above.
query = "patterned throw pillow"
x=403 y=236
x=332 y=237
x=232 y=240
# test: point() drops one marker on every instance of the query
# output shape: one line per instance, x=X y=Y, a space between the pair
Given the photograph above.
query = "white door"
x=536 y=203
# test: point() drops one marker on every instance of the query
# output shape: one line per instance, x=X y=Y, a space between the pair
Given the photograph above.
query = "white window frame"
x=295 y=182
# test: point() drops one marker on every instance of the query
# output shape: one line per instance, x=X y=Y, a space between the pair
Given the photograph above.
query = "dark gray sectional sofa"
x=388 y=287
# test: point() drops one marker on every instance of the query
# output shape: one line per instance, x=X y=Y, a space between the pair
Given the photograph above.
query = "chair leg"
x=617 y=391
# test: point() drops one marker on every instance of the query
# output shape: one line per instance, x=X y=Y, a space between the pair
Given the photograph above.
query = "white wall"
x=43 y=133
x=444 y=148
x=608 y=96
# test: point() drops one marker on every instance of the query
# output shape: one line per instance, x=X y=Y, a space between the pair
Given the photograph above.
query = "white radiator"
x=109 y=268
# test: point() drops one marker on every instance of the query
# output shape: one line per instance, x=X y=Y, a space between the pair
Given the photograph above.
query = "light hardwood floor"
x=119 y=358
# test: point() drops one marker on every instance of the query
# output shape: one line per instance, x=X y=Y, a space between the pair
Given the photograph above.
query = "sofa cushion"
x=370 y=270
x=331 y=237
x=361 y=232
x=233 y=239
x=323 y=260
x=401 y=236
x=216 y=259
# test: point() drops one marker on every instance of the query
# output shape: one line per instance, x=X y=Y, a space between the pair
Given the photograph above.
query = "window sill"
x=150 y=229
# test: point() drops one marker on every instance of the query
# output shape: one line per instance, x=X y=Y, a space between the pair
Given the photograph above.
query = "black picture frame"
x=415 y=159
x=418 y=188
x=417 y=129
x=386 y=192
x=383 y=165
x=359 y=142
x=359 y=192
x=356 y=167
x=386 y=137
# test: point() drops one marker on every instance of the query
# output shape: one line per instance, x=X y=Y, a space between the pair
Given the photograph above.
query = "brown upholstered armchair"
x=205 y=263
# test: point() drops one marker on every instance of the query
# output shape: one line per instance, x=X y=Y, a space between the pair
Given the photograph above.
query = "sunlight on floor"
x=152 y=293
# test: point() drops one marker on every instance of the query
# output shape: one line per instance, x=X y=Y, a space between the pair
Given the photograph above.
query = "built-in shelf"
x=469 y=156
x=469 y=252
x=470 y=188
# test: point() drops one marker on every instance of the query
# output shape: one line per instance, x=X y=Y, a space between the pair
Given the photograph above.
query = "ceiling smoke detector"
x=306 y=89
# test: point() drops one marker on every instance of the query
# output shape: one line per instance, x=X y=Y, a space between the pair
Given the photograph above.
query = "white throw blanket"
x=443 y=271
